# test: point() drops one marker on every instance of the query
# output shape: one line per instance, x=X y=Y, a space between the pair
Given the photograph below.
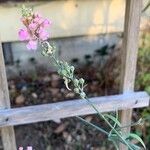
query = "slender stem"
x=102 y=116
x=56 y=61
x=91 y=124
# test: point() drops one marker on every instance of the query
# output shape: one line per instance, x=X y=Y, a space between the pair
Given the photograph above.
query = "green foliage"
x=114 y=119
x=143 y=75
x=135 y=136
x=143 y=79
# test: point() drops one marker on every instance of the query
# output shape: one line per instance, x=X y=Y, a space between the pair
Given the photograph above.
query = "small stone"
x=24 y=89
x=65 y=134
x=46 y=79
x=34 y=95
x=70 y=95
x=54 y=91
x=89 y=118
x=20 y=100
x=12 y=86
x=54 y=83
x=69 y=139
x=60 y=128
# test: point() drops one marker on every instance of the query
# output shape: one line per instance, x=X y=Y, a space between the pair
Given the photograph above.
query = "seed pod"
x=81 y=80
x=76 y=90
x=76 y=82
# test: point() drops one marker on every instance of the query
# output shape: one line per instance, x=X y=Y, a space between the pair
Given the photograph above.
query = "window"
x=8 y=55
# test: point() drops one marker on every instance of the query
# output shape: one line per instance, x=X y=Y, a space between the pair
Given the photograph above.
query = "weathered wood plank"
x=129 y=55
x=54 y=111
x=7 y=133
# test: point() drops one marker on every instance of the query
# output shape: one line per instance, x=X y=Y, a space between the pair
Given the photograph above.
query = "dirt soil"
x=70 y=133
x=42 y=87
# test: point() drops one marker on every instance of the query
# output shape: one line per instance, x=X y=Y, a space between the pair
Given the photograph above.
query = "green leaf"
x=134 y=136
x=147 y=89
x=115 y=144
x=135 y=147
x=113 y=119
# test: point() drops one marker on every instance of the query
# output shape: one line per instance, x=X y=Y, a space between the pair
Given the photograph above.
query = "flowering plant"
x=28 y=148
x=35 y=33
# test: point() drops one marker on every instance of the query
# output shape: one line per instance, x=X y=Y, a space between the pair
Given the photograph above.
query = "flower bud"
x=82 y=95
x=81 y=80
x=72 y=69
x=76 y=82
x=64 y=72
x=76 y=90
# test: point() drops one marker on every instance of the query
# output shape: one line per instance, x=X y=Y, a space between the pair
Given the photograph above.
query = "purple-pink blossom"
x=32 y=45
x=20 y=148
x=35 y=30
x=28 y=148
x=23 y=34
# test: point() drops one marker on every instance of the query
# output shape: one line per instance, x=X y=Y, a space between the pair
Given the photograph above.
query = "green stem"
x=56 y=61
x=102 y=116
x=91 y=124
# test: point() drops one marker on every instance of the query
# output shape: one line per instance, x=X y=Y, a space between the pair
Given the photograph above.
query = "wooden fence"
x=125 y=101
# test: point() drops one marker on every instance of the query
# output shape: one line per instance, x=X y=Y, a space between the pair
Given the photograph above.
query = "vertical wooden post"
x=7 y=133
x=129 y=55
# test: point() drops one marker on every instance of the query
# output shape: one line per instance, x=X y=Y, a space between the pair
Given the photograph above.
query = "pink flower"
x=46 y=23
x=43 y=35
x=29 y=148
x=20 y=148
x=35 y=30
x=38 y=19
x=32 y=45
x=33 y=26
x=23 y=34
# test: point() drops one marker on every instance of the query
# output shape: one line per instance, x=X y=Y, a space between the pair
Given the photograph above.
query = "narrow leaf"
x=113 y=119
x=134 y=136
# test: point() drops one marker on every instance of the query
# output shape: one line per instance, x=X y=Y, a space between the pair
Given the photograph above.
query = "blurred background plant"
x=143 y=80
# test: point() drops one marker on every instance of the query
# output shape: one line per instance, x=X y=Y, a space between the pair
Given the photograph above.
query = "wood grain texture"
x=129 y=55
x=7 y=133
x=55 y=111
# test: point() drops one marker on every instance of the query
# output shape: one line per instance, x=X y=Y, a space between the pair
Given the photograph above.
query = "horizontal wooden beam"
x=54 y=111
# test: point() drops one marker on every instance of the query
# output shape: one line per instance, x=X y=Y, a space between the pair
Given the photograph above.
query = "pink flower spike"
x=32 y=26
x=32 y=45
x=20 y=148
x=29 y=148
x=23 y=34
x=43 y=35
x=38 y=19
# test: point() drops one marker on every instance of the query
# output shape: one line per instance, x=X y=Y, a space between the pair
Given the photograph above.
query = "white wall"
x=70 y=17
x=68 y=49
